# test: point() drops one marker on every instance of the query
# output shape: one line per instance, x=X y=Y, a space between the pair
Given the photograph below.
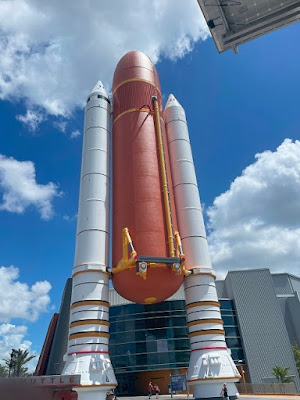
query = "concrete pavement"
x=243 y=397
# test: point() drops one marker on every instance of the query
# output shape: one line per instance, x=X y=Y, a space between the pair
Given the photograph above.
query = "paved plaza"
x=243 y=397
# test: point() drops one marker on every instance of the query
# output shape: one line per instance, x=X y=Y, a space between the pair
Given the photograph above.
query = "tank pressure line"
x=164 y=178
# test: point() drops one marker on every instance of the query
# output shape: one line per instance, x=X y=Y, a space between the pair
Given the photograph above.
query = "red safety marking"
x=210 y=348
x=88 y=352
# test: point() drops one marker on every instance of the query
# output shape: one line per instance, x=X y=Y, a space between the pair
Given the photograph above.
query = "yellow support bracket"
x=126 y=262
x=180 y=254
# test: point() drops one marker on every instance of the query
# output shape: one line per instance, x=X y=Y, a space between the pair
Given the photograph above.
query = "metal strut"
x=164 y=178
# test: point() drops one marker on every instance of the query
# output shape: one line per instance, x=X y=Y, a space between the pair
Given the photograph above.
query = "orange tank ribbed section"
x=137 y=189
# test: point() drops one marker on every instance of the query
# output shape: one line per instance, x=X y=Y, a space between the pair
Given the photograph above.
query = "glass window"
x=237 y=354
x=177 y=321
x=182 y=344
x=229 y=320
x=141 y=347
x=177 y=305
x=149 y=336
x=119 y=361
x=233 y=342
x=165 y=358
x=152 y=359
x=139 y=324
x=112 y=328
x=182 y=356
x=162 y=345
x=226 y=304
x=159 y=333
x=227 y=312
x=140 y=336
x=231 y=331
x=141 y=359
x=180 y=332
x=159 y=322
x=129 y=336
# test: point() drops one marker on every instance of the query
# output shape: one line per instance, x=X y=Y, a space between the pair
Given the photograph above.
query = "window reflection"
x=155 y=336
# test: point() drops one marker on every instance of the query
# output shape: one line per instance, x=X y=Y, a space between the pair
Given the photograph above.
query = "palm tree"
x=296 y=351
x=10 y=362
x=282 y=374
x=3 y=371
x=15 y=364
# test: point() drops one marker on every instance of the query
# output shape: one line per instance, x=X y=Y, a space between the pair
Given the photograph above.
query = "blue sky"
x=236 y=106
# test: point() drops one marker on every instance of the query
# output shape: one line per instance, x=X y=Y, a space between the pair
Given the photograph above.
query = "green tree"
x=3 y=371
x=15 y=364
x=282 y=374
x=296 y=351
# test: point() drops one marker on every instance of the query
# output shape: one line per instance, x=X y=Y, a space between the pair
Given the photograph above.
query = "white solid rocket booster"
x=211 y=364
x=87 y=353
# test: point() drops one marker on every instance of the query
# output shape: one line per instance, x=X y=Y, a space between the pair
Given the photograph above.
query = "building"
x=261 y=314
x=150 y=342
x=233 y=23
x=268 y=312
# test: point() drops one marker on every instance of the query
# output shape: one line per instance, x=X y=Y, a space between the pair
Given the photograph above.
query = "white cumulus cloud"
x=13 y=337
x=60 y=126
x=20 y=190
x=32 y=119
x=18 y=299
x=256 y=223
x=53 y=52
x=75 y=134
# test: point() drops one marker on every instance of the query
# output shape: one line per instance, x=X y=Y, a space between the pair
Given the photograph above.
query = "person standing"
x=150 y=388
x=156 y=390
x=224 y=392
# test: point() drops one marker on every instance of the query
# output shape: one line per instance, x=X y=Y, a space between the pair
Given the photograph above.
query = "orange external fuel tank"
x=143 y=201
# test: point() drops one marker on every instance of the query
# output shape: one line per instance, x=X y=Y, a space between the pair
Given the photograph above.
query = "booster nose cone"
x=99 y=89
x=172 y=101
